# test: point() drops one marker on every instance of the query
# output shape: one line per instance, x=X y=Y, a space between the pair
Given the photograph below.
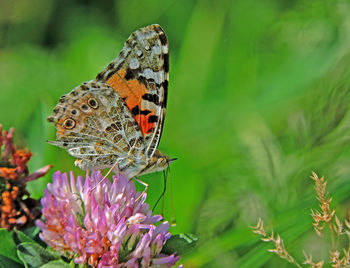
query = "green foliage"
x=258 y=98
x=56 y=264
x=180 y=243
x=20 y=250
x=7 y=262
x=8 y=249
x=34 y=255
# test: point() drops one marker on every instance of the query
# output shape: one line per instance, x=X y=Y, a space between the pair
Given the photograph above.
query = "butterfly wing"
x=95 y=125
x=140 y=76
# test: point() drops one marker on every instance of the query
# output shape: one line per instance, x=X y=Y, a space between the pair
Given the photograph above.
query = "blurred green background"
x=258 y=98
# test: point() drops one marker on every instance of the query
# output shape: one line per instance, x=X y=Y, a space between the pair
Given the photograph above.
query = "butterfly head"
x=158 y=162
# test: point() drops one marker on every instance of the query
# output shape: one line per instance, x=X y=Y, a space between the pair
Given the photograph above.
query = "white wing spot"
x=157 y=49
x=149 y=73
x=158 y=77
x=134 y=63
x=147 y=47
x=139 y=53
x=125 y=51
x=165 y=49
x=148 y=35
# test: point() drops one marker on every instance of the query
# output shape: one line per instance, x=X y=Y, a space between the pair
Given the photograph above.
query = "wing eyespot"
x=69 y=123
x=152 y=85
x=84 y=107
x=92 y=103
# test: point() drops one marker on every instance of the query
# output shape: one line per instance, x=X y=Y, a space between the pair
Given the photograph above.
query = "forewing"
x=95 y=125
x=140 y=76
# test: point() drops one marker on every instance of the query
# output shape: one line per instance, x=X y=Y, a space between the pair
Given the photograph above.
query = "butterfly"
x=116 y=120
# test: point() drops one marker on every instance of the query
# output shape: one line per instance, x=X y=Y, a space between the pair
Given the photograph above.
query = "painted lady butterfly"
x=117 y=119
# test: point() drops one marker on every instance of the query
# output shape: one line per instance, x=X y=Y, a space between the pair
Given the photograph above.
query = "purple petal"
x=98 y=224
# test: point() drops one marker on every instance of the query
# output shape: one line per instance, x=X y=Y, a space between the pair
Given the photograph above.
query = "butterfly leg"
x=105 y=176
x=110 y=170
x=144 y=184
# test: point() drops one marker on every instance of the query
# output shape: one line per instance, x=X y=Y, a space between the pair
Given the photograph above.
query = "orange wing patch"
x=60 y=129
x=143 y=121
x=132 y=91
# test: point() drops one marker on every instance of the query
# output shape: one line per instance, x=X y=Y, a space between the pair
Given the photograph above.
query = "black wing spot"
x=74 y=93
x=166 y=63
x=50 y=119
x=116 y=126
x=99 y=76
x=117 y=138
x=131 y=74
x=165 y=84
x=136 y=111
x=145 y=112
x=163 y=39
x=109 y=75
x=151 y=97
x=62 y=99
x=152 y=119
x=142 y=80
x=84 y=87
x=84 y=107
x=165 y=87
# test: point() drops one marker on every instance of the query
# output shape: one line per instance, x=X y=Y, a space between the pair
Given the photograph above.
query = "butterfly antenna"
x=173 y=216
x=165 y=182
x=162 y=194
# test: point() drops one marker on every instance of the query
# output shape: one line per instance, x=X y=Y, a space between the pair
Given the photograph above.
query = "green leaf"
x=180 y=243
x=56 y=264
x=7 y=262
x=8 y=246
x=32 y=232
x=33 y=255
x=20 y=237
